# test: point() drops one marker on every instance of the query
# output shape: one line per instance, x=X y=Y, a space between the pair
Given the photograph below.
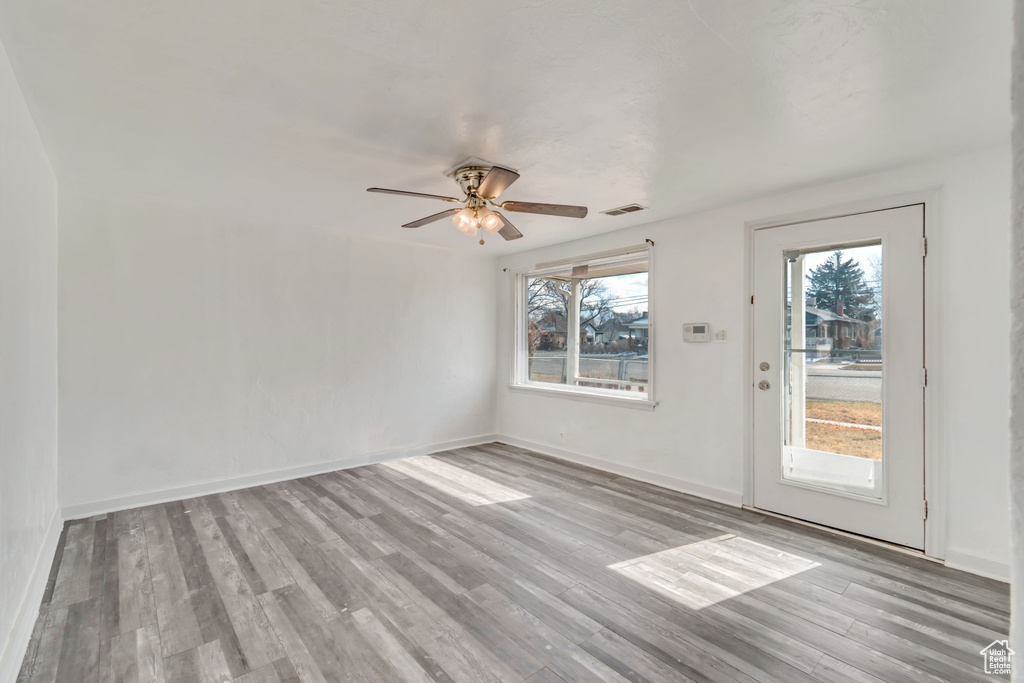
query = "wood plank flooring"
x=493 y=564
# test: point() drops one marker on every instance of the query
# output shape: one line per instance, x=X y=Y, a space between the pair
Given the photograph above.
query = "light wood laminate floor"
x=493 y=564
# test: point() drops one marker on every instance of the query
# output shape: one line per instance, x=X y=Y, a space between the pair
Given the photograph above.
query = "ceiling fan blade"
x=547 y=209
x=432 y=218
x=508 y=231
x=413 y=194
x=496 y=181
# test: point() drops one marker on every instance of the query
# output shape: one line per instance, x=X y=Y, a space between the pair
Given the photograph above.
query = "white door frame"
x=934 y=461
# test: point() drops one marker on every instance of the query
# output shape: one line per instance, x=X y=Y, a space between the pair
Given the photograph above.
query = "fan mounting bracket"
x=474 y=161
x=469 y=172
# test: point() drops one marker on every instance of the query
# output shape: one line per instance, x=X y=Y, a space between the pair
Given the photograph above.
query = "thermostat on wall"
x=696 y=332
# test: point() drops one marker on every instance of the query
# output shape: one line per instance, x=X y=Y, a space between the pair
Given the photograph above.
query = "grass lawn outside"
x=832 y=438
x=863 y=443
x=855 y=412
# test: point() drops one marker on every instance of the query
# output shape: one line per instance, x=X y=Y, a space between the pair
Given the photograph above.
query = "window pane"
x=608 y=349
x=547 y=310
x=613 y=332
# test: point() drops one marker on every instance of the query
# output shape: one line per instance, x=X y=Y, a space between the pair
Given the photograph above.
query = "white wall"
x=195 y=349
x=1017 y=348
x=976 y=284
x=29 y=518
x=694 y=440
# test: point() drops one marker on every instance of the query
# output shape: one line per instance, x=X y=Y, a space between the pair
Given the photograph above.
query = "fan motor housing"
x=469 y=178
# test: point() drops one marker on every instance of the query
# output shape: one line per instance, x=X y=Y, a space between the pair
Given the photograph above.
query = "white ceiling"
x=286 y=111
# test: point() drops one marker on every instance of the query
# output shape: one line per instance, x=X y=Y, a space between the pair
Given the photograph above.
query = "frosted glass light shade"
x=466 y=221
x=489 y=220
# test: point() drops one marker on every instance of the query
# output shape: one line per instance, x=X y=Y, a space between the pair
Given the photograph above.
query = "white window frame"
x=520 y=365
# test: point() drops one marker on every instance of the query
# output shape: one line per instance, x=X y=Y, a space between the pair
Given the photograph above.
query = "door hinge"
x=751 y=298
x=924 y=377
x=924 y=509
x=924 y=247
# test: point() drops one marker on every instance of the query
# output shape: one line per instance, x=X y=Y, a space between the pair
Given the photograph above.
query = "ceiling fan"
x=482 y=182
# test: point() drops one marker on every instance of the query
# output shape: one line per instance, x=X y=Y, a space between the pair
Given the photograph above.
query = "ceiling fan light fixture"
x=489 y=221
x=482 y=183
x=466 y=221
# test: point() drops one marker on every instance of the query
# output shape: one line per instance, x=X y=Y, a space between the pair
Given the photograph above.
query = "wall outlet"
x=721 y=335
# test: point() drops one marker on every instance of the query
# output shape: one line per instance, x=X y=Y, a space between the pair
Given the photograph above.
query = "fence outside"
x=626 y=374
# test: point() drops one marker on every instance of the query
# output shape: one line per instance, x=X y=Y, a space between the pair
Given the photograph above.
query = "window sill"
x=585 y=396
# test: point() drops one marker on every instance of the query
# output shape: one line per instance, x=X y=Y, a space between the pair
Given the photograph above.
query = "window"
x=584 y=326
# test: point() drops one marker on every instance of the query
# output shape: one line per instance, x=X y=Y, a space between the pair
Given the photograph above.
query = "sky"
x=859 y=254
x=628 y=291
x=862 y=255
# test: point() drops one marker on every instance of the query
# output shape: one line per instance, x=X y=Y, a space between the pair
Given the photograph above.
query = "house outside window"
x=606 y=351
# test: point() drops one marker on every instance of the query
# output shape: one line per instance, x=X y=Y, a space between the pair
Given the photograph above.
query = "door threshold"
x=913 y=552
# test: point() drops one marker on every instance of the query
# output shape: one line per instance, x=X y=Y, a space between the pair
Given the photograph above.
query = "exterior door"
x=839 y=373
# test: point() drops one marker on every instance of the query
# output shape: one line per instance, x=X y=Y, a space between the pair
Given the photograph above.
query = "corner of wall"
x=28 y=611
x=30 y=520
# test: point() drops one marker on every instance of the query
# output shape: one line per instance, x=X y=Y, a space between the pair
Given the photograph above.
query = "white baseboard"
x=733 y=498
x=21 y=631
x=976 y=564
x=272 y=477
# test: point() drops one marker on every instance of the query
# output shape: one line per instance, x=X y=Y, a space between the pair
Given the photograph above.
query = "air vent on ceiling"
x=628 y=208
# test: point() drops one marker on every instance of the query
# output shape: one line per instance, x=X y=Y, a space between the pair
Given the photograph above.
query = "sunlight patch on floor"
x=455 y=481
x=704 y=573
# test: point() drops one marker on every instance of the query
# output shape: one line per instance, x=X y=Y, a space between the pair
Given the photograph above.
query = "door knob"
x=763 y=385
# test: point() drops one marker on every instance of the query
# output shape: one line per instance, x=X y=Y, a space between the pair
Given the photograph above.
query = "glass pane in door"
x=833 y=365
